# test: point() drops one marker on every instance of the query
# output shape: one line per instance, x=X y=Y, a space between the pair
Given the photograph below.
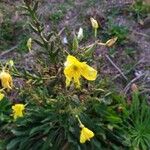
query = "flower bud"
x=134 y=87
x=94 y=23
x=80 y=34
x=29 y=44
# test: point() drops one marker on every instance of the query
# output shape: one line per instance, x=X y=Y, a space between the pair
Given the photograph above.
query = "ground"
x=132 y=55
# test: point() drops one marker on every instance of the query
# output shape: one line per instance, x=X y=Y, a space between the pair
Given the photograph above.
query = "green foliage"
x=59 y=11
x=50 y=42
x=139 y=9
x=75 y=43
x=117 y=31
x=13 y=31
x=5 y=121
x=130 y=51
x=5 y=111
x=56 y=16
x=53 y=124
x=9 y=35
x=22 y=47
x=2 y=144
x=137 y=124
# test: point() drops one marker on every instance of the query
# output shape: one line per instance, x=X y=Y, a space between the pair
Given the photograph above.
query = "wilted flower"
x=94 y=23
x=74 y=69
x=29 y=44
x=111 y=42
x=1 y=96
x=18 y=110
x=80 y=34
x=85 y=134
x=6 y=80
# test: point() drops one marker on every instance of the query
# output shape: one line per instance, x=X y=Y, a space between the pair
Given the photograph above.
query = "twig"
x=9 y=50
x=118 y=75
x=91 y=45
x=131 y=82
x=60 y=32
x=139 y=33
x=110 y=60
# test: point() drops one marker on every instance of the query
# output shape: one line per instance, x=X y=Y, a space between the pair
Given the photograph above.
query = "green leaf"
x=33 y=28
x=35 y=7
x=75 y=43
x=38 y=128
x=38 y=42
x=13 y=143
x=19 y=133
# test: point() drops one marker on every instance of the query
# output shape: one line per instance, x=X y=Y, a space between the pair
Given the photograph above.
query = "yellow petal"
x=88 y=72
x=68 y=80
x=82 y=138
x=18 y=110
x=68 y=74
x=1 y=96
x=85 y=135
x=6 y=80
x=77 y=81
x=71 y=60
x=72 y=70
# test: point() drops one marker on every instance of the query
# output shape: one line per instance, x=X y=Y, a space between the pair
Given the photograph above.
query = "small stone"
x=146 y=23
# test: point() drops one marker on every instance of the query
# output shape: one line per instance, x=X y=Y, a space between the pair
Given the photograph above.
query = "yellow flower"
x=94 y=23
x=111 y=42
x=18 y=110
x=1 y=96
x=6 y=80
x=29 y=44
x=86 y=134
x=74 y=69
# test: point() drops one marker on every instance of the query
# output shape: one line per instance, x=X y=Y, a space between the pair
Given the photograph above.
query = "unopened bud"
x=80 y=34
x=120 y=109
x=94 y=23
x=134 y=87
